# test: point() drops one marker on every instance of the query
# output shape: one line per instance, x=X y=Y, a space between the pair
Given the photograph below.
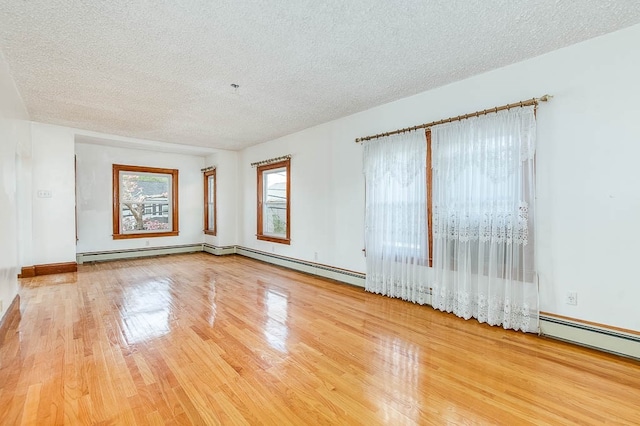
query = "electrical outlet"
x=572 y=298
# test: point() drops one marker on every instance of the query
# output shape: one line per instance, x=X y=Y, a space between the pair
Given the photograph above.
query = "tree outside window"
x=274 y=202
x=145 y=202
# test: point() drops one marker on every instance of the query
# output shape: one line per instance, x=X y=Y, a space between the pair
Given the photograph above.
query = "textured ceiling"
x=162 y=70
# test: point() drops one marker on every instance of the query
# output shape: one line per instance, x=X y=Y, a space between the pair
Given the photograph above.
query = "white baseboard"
x=133 y=253
x=342 y=275
x=596 y=337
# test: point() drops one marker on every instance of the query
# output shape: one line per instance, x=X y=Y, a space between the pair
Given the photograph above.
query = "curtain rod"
x=271 y=160
x=206 y=169
x=532 y=101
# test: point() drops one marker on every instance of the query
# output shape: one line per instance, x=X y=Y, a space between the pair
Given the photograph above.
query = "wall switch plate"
x=572 y=298
x=44 y=193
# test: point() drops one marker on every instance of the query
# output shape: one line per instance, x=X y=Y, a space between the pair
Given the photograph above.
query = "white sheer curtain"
x=396 y=216
x=483 y=210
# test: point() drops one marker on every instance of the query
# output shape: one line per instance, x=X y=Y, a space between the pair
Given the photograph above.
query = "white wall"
x=25 y=197
x=94 y=170
x=53 y=218
x=588 y=193
x=226 y=163
x=13 y=131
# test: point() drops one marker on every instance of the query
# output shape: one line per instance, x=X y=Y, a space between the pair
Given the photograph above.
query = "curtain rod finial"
x=545 y=98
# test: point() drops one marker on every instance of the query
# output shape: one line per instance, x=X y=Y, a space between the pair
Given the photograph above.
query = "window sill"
x=274 y=239
x=213 y=233
x=145 y=235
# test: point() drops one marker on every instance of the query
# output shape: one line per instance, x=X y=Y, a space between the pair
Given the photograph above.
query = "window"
x=145 y=202
x=273 y=202
x=395 y=198
x=483 y=177
x=429 y=198
x=210 y=216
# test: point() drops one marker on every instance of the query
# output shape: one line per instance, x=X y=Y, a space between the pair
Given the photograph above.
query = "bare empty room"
x=278 y=212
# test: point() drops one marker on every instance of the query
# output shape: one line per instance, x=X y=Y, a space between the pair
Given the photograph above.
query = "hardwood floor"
x=200 y=339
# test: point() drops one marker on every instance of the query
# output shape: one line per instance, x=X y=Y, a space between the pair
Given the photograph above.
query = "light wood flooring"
x=200 y=339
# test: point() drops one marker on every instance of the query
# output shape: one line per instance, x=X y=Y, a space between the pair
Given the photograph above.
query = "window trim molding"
x=116 y=169
x=207 y=174
x=429 y=199
x=260 y=194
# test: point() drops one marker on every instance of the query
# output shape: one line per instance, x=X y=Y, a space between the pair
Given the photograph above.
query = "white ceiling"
x=162 y=70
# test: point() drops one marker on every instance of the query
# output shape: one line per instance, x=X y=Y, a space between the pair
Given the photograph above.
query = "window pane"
x=275 y=202
x=144 y=202
x=210 y=204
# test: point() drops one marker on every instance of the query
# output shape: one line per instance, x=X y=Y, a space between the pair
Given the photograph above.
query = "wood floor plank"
x=200 y=339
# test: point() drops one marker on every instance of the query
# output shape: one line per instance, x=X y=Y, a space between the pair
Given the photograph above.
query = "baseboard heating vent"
x=597 y=337
x=218 y=250
x=138 y=252
x=338 y=274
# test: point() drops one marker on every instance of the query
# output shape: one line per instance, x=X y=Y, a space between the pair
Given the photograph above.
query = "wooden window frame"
x=117 y=168
x=429 y=198
x=260 y=199
x=207 y=175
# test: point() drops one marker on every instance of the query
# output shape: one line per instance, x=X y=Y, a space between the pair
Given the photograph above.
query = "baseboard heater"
x=597 y=337
x=218 y=250
x=138 y=252
x=338 y=274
